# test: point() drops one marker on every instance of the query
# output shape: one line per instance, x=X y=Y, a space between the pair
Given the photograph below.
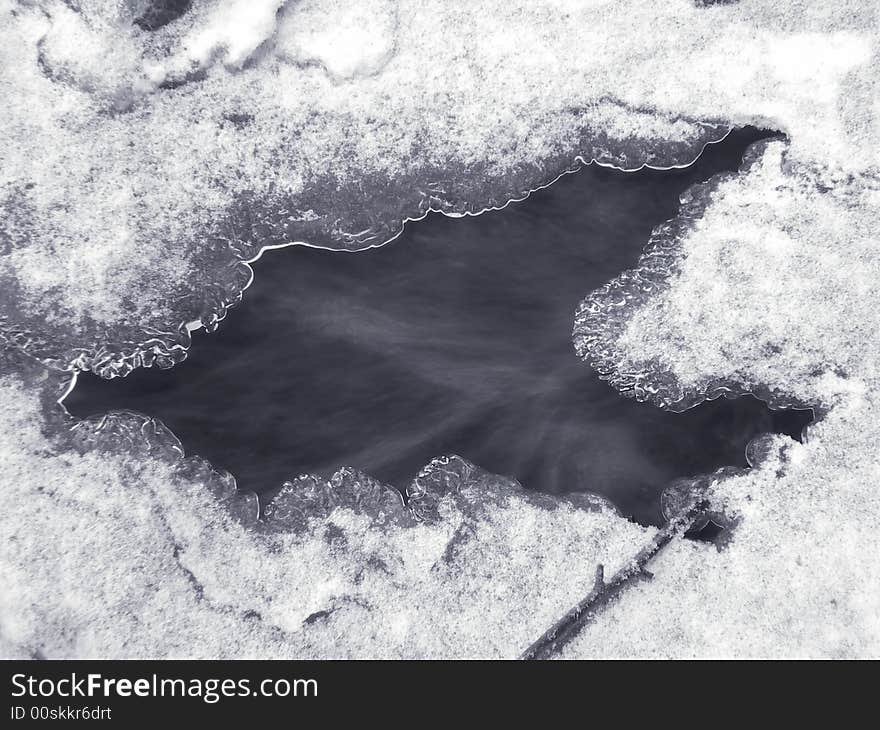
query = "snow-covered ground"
x=140 y=170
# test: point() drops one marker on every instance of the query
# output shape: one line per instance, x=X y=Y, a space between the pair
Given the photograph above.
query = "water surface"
x=454 y=338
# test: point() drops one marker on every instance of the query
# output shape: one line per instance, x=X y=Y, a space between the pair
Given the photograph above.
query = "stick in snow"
x=570 y=625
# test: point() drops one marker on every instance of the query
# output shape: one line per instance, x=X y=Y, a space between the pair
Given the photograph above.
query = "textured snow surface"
x=768 y=281
x=139 y=167
x=126 y=551
x=142 y=168
x=800 y=576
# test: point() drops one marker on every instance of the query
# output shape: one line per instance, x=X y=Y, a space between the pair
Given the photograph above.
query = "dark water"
x=455 y=338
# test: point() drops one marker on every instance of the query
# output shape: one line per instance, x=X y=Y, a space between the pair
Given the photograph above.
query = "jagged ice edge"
x=164 y=349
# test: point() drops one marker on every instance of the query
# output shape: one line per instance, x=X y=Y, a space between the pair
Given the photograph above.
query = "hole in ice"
x=710 y=532
x=455 y=338
x=158 y=13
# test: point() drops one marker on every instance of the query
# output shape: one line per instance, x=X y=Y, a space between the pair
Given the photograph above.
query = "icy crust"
x=116 y=545
x=798 y=577
x=141 y=437
x=307 y=500
x=120 y=546
x=765 y=283
x=144 y=159
x=169 y=157
x=214 y=266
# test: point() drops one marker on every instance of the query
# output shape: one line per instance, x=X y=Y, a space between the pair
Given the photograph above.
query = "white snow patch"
x=123 y=154
x=114 y=554
x=451 y=101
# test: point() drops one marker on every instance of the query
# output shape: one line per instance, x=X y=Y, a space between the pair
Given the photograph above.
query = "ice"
x=309 y=499
x=798 y=577
x=115 y=551
x=141 y=169
x=687 y=316
x=765 y=283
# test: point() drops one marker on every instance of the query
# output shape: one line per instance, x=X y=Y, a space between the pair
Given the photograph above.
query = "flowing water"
x=453 y=338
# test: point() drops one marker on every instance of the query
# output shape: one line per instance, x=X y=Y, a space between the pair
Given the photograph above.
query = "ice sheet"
x=141 y=168
x=118 y=545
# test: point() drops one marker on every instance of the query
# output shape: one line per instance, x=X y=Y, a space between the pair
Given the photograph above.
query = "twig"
x=570 y=625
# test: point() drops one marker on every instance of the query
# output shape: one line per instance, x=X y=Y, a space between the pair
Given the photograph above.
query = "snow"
x=140 y=171
x=799 y=577
x=117 y=545
x=139 y=167
x=766 y=282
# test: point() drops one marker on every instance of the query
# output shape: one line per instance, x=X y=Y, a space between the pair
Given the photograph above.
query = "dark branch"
x=570 y=625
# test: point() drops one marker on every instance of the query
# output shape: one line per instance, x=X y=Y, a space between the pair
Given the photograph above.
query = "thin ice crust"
x=133 y=196
x=130 y=207
x=141 y=167
x=765 y=283
x=125 y=547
